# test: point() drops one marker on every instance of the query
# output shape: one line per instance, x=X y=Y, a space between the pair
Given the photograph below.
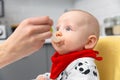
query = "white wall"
x=100 y=9
x=17 y=10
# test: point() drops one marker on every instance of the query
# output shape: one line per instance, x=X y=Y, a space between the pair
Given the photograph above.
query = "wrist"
x=6 y=54
x=3 y=55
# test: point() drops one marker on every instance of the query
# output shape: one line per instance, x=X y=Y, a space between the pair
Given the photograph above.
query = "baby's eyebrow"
x=71 y=26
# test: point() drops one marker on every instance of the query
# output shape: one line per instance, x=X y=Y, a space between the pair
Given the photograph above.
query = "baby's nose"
x=58 y=34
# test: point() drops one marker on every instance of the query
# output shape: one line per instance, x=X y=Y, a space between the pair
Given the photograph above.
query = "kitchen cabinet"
x=29 y=67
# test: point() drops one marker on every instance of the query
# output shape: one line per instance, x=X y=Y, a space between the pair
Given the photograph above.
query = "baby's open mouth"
x=55 y=38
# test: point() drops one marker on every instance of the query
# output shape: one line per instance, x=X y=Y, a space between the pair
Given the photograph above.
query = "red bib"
x=60 y=62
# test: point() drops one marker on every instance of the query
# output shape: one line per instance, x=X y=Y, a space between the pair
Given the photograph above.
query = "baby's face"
x=72 y=33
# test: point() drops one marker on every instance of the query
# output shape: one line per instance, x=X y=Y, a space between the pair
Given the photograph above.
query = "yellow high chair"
x=109 y=49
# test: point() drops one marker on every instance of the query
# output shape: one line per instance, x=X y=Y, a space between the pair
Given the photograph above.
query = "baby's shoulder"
x=85 y=61
x=82 y=65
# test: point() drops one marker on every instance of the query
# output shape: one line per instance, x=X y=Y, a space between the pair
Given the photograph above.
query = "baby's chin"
x=67 y=51
x=61 y=52
x=60 y=48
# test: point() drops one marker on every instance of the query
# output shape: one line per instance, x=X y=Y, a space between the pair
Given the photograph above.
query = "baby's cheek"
x=69 y=44
x=74 y=46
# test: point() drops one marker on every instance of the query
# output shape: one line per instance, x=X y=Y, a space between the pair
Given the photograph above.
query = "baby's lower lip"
x=57 y=42
x=56 y=39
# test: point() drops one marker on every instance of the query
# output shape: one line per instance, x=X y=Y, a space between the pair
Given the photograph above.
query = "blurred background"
x=12 y=12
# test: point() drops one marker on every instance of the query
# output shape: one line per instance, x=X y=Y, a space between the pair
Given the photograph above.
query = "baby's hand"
x=45 y=76
x=41 y=78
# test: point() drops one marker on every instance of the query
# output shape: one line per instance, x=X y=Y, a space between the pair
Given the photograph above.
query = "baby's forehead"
x=77 y=16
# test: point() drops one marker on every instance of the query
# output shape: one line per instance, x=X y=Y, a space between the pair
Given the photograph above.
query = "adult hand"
x=28 y=37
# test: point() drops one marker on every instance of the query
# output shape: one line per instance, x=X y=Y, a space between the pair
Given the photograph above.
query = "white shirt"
x=79 y=69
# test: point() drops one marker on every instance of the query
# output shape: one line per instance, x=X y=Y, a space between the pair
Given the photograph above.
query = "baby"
x=76 y=36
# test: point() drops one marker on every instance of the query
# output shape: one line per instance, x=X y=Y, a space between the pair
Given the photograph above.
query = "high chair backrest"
x=109 y=49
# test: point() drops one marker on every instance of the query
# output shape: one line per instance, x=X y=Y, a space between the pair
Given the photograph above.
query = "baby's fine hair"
x=96 y=21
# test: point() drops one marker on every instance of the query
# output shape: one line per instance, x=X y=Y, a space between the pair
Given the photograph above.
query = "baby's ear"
x=91 y=42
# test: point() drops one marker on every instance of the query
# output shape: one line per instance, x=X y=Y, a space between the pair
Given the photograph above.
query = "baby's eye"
x=68 y=28
x=57 y=29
